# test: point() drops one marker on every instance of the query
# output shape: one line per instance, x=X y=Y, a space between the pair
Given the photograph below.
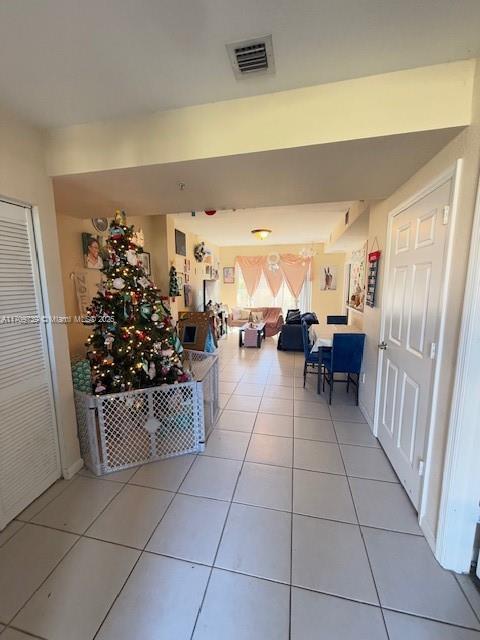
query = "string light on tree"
x=129 y=314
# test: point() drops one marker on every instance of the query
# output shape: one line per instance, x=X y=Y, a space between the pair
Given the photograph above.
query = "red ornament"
x=210 y=212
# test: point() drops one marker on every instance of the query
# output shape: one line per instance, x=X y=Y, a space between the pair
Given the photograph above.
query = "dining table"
x=324 y=333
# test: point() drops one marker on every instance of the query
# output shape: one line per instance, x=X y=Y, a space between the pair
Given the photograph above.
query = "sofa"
x=291 y=335
x=272 y=316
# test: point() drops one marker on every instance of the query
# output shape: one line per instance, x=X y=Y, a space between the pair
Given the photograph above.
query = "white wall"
x=466 y=146
x=23 y=177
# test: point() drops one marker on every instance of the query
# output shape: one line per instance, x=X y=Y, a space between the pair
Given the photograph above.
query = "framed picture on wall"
x=328 y=278
x=180 y=243
x=145 y=260
x=229 y=275
x=91 y=247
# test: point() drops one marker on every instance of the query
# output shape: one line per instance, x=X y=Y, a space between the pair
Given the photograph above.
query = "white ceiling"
x=66 y=61
x=293 y=224
x=369 y=169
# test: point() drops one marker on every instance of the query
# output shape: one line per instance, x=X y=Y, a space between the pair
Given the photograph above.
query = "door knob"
x=383 y=345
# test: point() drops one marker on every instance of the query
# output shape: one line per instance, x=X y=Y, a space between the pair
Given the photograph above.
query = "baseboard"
x=366 y=415
x=73 y=469
x=429 y=535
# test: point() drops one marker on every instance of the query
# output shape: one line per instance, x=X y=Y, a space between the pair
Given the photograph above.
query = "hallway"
x=293 y=507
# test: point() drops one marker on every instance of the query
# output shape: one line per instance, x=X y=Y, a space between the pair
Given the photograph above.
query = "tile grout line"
x=143 y=550
x=366 y=550
x=79 y=537
x=477 y=616
x=221 y=538
x=363 y=540
x=230 y=502
x=67 y=482
x=291 y=540
x=204 y=455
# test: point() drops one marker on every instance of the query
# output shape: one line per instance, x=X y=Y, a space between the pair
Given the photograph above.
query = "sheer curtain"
x=263 y=296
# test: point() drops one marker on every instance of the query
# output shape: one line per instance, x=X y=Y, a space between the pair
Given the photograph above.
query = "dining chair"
x=311 y=359
x=337 y=319
x=345 y=357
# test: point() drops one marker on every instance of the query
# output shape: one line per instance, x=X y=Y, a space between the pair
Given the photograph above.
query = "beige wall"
x=23 y=177
x=323 y=302
x=71 y=256
x=159 y=242
x=465 y=146
x=383 y=105
x=197 y=269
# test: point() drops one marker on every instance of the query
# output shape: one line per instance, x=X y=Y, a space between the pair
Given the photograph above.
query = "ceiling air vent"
x=252 y=56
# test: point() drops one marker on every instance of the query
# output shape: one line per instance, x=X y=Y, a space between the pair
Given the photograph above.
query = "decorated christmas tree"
x=133 y=344
x=173 y=289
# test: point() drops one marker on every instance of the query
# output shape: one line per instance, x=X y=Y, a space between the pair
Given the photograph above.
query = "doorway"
x=411 y=326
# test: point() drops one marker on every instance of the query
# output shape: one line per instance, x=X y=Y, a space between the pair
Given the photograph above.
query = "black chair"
x=345 y=357
x=337 y=319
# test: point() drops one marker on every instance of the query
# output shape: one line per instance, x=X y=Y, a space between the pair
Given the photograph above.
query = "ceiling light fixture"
x=261 y=234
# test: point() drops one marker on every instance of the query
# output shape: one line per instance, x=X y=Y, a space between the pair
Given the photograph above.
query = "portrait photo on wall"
x=91 y=247
x=229 y=275
x=328 y=278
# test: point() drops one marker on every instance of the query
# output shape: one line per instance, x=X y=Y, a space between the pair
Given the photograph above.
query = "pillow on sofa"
x=236 y=312
x=257 y=316
x=244 y=314
x=309 y=318
x=293 y=316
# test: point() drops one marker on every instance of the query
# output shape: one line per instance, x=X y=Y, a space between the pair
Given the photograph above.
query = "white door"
x=413 y=283
x=29 y=458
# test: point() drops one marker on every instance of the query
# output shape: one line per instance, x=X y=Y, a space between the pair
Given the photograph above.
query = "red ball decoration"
x=210 y=212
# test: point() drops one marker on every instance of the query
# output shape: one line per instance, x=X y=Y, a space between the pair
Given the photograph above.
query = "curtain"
x=274 y=279
x=295 y=270
x=251 y=267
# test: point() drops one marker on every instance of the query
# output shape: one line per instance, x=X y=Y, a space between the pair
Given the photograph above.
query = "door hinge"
x=446 y=213
x=421 y=467
x=433 y=350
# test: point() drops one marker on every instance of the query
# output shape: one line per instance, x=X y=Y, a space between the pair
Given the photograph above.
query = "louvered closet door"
x=29 y=458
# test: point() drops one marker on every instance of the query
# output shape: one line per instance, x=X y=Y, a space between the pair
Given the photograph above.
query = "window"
x=263 y=296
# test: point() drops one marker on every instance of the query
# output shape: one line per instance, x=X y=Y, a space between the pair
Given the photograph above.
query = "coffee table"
x=260 y=328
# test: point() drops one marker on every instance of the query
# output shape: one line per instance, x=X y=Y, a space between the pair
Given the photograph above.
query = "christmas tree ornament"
x=152 y=372
x=120 y=348
x=146 y=310
x=116 y=233
x=118 y=283
x=132 y=257
x=138 y=239
x=120 y=217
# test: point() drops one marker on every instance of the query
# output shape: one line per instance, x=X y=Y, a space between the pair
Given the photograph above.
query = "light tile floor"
x=291 y=525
